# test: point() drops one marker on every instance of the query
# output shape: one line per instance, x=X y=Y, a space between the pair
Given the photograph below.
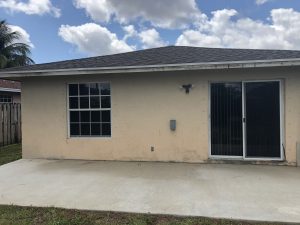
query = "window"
x=89 y=110
x=5 y=99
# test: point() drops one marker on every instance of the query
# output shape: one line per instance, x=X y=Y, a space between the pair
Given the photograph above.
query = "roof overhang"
x=10 y=90
x=153 y=68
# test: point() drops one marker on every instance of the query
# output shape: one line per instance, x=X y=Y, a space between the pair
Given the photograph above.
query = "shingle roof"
x=165 y=55
x=10 y=84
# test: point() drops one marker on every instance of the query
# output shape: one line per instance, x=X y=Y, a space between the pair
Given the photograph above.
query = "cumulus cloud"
x=38 y=7
x=196 y=38
x=24 y=36
x=151 y=39
x=164 y=14
x=98 y=10
x=223 y=30
x=261 y=2
x=93 y=39
x=129 y=32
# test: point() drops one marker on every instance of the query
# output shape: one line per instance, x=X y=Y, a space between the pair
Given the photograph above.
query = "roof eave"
x=153 y=68
x=17 y=90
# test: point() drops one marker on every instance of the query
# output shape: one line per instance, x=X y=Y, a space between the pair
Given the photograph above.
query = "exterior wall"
x=142 y=105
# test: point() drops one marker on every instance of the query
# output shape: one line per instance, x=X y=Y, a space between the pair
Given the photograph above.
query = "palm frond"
x=17 y=48
x=19 y=60
x=3 y=61
x=12 y=53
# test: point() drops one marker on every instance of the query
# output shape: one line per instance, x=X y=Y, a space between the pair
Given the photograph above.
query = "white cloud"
x=222 y=30
x=196 y=38
x=24 y=36
x=93 y=39
x=261 y=2
x=164 y=14
x=129 y=32
x=151 y=39
x=98 y=10
x=38 y=7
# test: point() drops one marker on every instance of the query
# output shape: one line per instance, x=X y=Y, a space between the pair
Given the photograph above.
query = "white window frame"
x=89 y=109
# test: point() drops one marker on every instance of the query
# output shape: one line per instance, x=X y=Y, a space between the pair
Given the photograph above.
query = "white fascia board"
x=10 y=89
x=153 y=68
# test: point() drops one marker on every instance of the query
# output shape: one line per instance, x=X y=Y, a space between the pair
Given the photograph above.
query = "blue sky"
x=67 y=29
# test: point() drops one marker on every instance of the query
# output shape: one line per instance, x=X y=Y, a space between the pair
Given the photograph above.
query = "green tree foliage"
x=12 y=53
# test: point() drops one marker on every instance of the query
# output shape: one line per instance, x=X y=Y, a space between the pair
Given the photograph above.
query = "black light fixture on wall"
x=187 y=87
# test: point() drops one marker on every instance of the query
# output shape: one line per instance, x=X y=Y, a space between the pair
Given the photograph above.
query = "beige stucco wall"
x=142 y=105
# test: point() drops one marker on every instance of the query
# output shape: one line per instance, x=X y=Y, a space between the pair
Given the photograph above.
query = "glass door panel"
x=262 y=119
x=226 y=119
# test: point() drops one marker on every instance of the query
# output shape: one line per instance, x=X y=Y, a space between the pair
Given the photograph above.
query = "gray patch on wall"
x=298 y=154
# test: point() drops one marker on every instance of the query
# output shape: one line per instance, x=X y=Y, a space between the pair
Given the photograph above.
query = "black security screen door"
x=226 y=119
x=262 y=113
x=250 y=133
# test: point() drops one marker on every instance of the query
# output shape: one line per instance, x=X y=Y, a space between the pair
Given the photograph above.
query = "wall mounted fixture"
x=172 y=125
x=187 y=87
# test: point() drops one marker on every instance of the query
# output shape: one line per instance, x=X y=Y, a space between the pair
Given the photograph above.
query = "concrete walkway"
x=225 y=191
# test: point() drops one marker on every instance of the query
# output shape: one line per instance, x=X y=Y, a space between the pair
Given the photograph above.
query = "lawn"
x=10 y=153
x=14 y=215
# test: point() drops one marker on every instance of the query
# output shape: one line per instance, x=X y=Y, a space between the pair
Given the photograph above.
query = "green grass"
x=10 y=153
x=14 y=215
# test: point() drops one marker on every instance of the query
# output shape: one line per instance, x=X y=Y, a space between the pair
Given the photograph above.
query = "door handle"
x=244 y=120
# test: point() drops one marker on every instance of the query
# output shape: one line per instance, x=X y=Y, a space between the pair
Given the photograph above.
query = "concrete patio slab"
x=250 y=192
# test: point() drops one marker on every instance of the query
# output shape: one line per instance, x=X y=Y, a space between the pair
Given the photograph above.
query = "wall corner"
x=298 y=154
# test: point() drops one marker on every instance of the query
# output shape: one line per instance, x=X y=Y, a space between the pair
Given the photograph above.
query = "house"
x=182 y=104
x=10 y=91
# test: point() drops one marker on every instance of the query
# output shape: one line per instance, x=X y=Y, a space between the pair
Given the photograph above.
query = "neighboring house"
x=183 y=104
x=10 y=91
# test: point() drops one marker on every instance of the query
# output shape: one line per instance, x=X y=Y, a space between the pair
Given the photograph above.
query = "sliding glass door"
x=226 y=119
x=262 y=124
x=245 y=120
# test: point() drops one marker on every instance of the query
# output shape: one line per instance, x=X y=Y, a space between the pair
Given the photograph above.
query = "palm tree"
x=12 y=53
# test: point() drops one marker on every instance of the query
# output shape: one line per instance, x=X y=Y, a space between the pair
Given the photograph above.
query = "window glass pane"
x=85 y=116
x=74 y=116
x=74 y=129
x=96 y=129
x=73 y=102
x=84 y=102
x=94 y=89
x=105 y=101
x=73 y=89
x=95 y=102
x=89 y=119
x=5 y=98
x=105 y=89
x=84 y=89
x=105 y=128
x=85 y=128
x=105 y=116
x=95 y=116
